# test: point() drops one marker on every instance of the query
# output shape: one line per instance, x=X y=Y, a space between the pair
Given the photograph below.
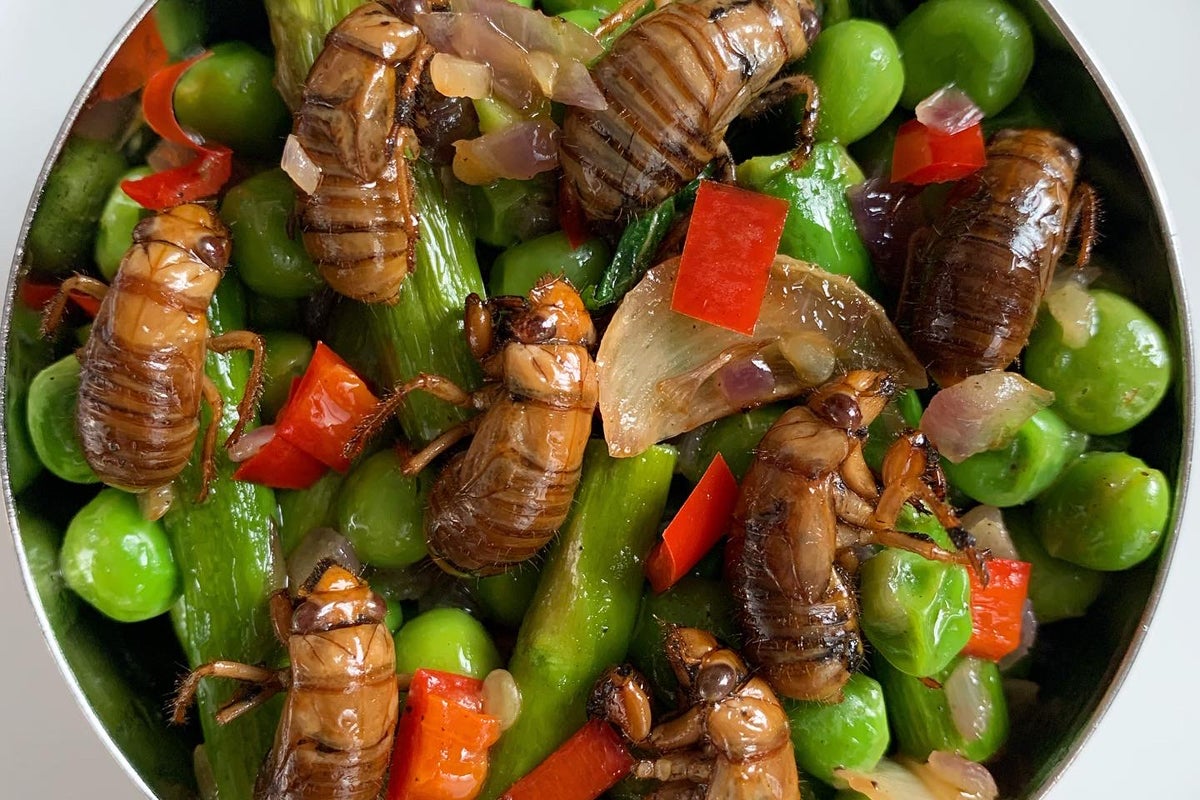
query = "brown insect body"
x=360 y=224
x=674 y=83
x=499 y=502
x=730 y=742
x=335 y=735
x=976 y=277
x=807 y=498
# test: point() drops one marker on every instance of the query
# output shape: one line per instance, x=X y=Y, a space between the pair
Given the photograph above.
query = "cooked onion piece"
x=296 y=162
x=949 y=110
x=986 y=524
x=662 y=373
x=519 y=151
x=459 y=77
x=1073 y=308
x=981 y=412
x=945 y=776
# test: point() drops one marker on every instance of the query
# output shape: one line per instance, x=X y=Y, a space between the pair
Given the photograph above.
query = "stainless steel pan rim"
x=1185 y=390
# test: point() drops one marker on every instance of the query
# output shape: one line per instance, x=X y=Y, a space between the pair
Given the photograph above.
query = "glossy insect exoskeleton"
x=499 y=502
x=142 y=377
x=731 y=739
x=976 y=276
x=334 y=739
x=360 y=221
x=807 y=496
x=674 y=83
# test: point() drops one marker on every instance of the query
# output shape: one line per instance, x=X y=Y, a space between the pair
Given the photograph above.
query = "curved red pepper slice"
x=140 y=57
x=200 y=178
x=158 y=101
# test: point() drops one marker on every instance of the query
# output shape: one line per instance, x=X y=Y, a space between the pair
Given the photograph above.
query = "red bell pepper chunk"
x=997 y=609
x=731 y=243
x=329 y=404
x=584 y=767
x=280 y=465
x=140 y=56
x=700 y=522
x=923 y=155
x=442 y=740
x=200 y=178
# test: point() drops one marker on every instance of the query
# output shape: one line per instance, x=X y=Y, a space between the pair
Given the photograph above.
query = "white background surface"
x=1145 y=745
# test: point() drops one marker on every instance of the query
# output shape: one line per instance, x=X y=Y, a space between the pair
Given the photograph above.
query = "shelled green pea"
x=117 y=220
x=506 y=597
x=287 y=356
x=852 y=734
x=1058 y=589
x=446 y=639
x=984 y=47
x=1116 y=379
x=50 y=413
x=119 y=562
x=511 y=211
x=1023 y=467
x=381 y=511
x=915 y=612
x=517 y=269
x=856 y=65
x=734 y=437
x=1107 y=511
x=267 y=250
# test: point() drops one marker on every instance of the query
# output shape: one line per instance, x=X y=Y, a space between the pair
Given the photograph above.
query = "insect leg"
x=479 y=326
x=269 y=679
x=243 y=340
x=436 y=385
x=447 y=439
x=1083 y=214
x=281 y=615
x=622 y=697
x=784 y=89
x=52 y=316
x=208 y=467
x=680 y=733
x=626 y=12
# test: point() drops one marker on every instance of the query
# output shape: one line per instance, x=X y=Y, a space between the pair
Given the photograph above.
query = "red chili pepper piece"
x=442 y=740
x=195 y=180
x=701 y=521
x=997 y=609
x=923 y=155
x=158 y=101
x=280 y=465
x=141 y=55
x=329 y=404
x=37 y=296
x=584 y=767
x=731 y=243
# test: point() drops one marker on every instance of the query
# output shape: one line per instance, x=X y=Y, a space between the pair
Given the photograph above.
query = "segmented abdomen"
x=976 y=280
x=674 y=82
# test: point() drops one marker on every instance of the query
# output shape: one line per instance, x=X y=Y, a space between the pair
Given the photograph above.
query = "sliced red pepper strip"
x=923 y=155
x=702 y=519
x=570 y=215
x=195 y=180
x=141 y=55
x=281 y=465
x=997 y=609
x=37 y=296
x=442 y=740
x=731 y=243
x=329 y=404
x=158 y=101
x=584 y=767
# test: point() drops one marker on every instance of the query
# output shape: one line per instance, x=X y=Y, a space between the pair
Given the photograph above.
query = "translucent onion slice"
x=1073 y=308
x=967 y=698
x=981 y=412
x=952 y=777
x=888 y=781
x=296 y=162
x=986 y=524
x=317 y=546
x=459 y=77
x=502 y=696
x=662 y=373
x=534 y=30
x=519 y=151
x=949 y=110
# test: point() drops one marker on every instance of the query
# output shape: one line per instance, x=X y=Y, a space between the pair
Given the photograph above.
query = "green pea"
x=921 y=713
x=820 y=227
x=273 y=313
x=856 y=65
x=230 y=97
x=394 y=618
x=1018 y=471
x=558 y=7
x=182 y=24
x=506 y=597
x=915 y=612
x=587 y=18
x=734 y=437
x=1107 y=511
x=518 y=268
x=301 y=510
x=1115 y=379
x=512 y=211
x=1058 y=589
x=984 y=47
x=381 y=512
x=288 y=355
x=117 y=561
x=67 y=217
x=267 y=250
x=835 y=12
x=693 y=602
x=117 y=220
x=903 y=412
x=446 y=639
x=852 y=734
x=50 y=412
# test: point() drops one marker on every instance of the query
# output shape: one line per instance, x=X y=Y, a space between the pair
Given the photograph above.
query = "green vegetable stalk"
x=583 y=614
x=298 y=29
x=223 y=548
x=423 y=331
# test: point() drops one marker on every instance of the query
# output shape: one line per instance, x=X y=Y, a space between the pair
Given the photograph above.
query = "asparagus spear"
x=298 y=29
x=586 y=605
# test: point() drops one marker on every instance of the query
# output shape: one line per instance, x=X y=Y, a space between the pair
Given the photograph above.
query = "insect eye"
x=715 y=681
x=213 y=251
x=842 y=411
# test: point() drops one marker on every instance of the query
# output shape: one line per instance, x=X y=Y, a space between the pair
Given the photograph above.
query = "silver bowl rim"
x=1185 y=388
